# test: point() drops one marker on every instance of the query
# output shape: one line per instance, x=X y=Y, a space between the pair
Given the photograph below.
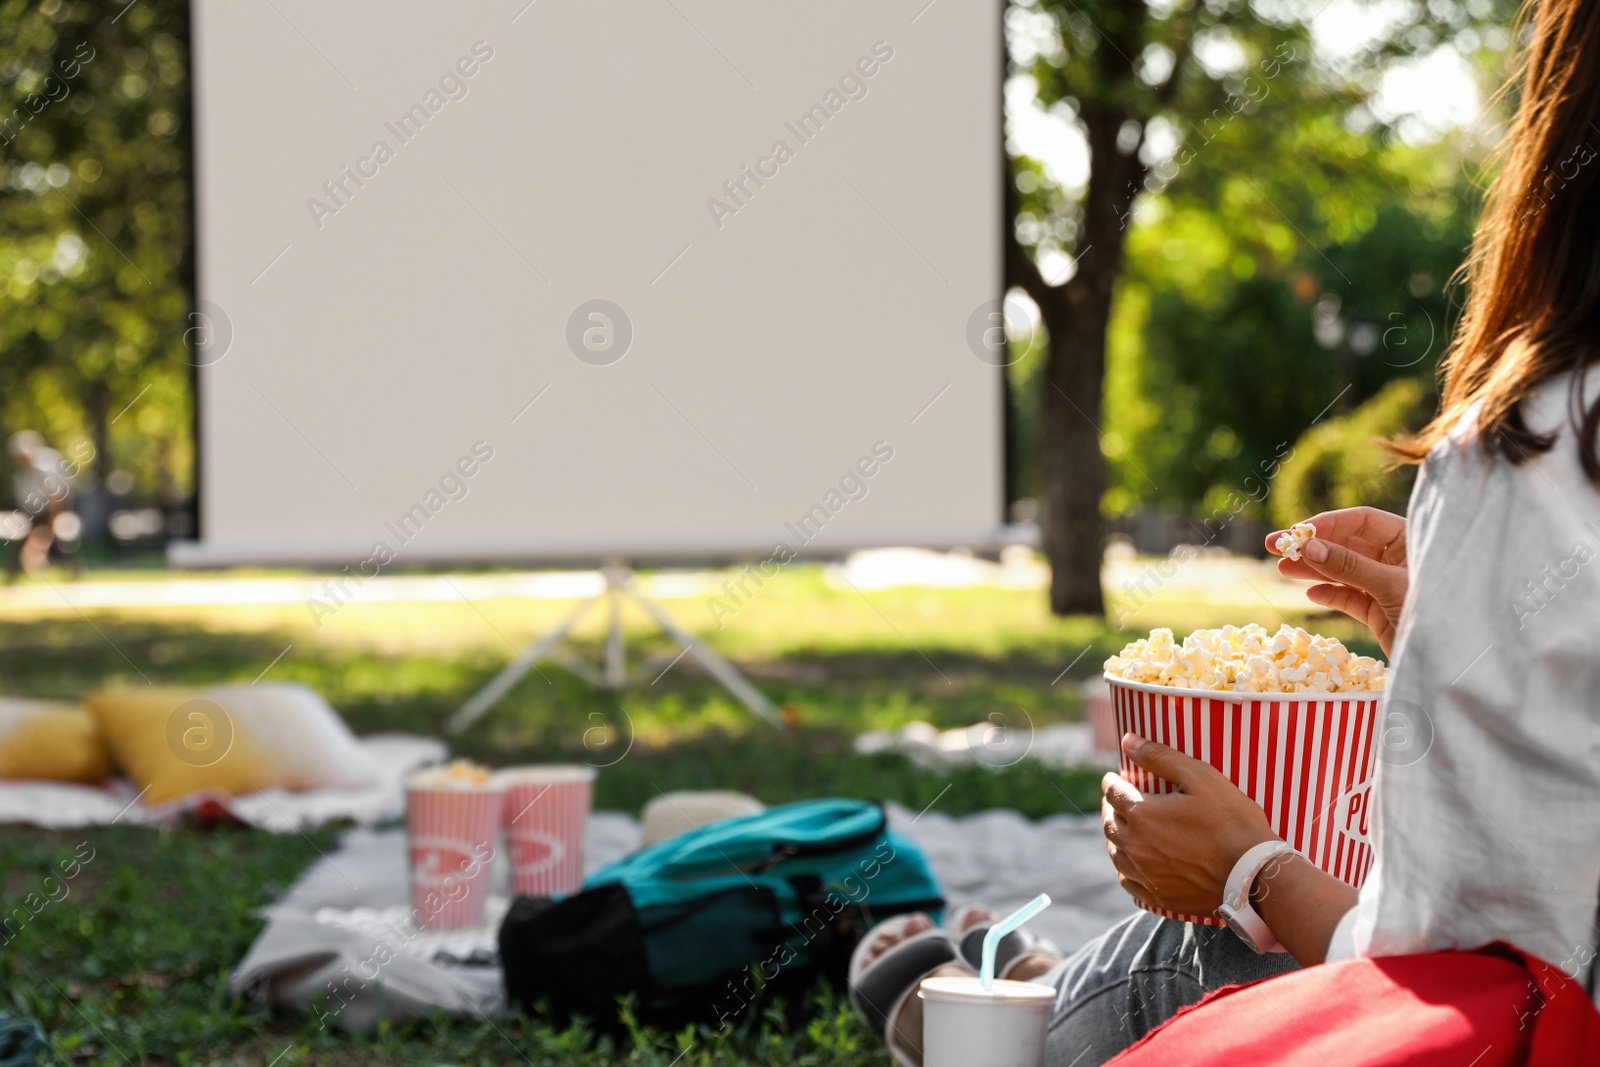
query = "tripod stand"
x=614 y=673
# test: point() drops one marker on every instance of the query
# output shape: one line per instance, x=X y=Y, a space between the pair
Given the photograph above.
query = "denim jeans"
x=1136 y=976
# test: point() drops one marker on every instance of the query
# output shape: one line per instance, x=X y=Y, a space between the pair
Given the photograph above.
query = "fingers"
x=1183 y=771
x=1118 y=794
x=1125 y=865
x=1129 y=875
x=1366 y=530
x=1334 y=562
x=1300 y=569
x=1353 y=602
x=1370 y=549
x=1133 y=881
x=1117 y=847
x=1114 y=824
x=1369 y=524
x=1295 y=568
x=1135 y=889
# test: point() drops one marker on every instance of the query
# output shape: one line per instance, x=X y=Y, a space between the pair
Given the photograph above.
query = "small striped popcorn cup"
x=1097 y=710
x=547 y=811
x=1306 y=758
x=453 y=815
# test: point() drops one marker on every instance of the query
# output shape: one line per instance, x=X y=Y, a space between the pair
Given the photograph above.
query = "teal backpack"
x=699 y=928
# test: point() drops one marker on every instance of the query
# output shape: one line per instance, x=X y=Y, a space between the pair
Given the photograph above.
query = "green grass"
x=131 y=965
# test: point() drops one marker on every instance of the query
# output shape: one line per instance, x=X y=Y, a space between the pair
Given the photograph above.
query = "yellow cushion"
x=230 y=739
x=53 y=742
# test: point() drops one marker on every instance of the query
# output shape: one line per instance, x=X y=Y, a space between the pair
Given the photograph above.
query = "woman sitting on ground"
x=1489 y=604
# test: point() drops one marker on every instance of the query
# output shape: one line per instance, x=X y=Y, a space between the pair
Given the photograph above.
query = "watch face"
x=1229 y=916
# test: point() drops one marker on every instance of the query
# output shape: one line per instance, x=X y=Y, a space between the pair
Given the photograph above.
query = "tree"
x=96 y=257
x=1125 y=71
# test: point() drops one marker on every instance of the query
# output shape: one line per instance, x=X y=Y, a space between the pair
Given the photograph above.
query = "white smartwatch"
x=1236 y=910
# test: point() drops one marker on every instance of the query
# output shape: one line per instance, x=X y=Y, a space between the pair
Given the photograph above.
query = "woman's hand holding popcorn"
x=1175 y=850
x=1358 y=559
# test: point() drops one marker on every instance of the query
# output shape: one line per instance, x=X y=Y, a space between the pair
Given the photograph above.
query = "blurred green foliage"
x=1229 y=346
x=1339 y=463
x=95 y=255
x=1227 y=350
x=1287 y=251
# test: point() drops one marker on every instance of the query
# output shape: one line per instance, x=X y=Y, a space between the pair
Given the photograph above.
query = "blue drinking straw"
x=991 y=940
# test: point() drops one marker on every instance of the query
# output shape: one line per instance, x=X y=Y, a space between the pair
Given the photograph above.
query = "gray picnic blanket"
x=341 y=941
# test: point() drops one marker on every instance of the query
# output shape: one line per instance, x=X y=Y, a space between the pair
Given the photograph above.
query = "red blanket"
x=1494 y=1007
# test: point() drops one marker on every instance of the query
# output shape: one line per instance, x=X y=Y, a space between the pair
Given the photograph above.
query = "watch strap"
x=1236 y=908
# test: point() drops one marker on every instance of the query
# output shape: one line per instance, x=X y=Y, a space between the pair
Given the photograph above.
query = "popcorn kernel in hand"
x=1290 y=543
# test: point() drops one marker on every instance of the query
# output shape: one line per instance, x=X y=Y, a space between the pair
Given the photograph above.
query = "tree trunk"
x=99 y=407
x=1076 y=314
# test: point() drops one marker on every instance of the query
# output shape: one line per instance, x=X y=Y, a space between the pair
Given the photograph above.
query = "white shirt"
x=1486 y=815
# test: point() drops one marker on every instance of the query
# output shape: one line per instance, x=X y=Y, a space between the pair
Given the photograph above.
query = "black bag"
x=701 y=928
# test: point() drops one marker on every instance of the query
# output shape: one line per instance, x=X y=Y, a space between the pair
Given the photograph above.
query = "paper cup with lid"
x=547 y=814
x=965 y=1024
x=453 y=816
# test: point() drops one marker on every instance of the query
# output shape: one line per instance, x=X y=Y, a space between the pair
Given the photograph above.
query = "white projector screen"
x=406 y=211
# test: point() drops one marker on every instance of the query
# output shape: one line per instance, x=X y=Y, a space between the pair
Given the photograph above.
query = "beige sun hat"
x=674 y=813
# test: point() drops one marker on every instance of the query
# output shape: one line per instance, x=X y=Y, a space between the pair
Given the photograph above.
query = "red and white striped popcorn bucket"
x=1306 y=758
x=451 y=833
x=547 y=812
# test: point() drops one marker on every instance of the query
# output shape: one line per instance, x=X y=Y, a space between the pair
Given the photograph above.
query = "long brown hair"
x=1533 y=277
